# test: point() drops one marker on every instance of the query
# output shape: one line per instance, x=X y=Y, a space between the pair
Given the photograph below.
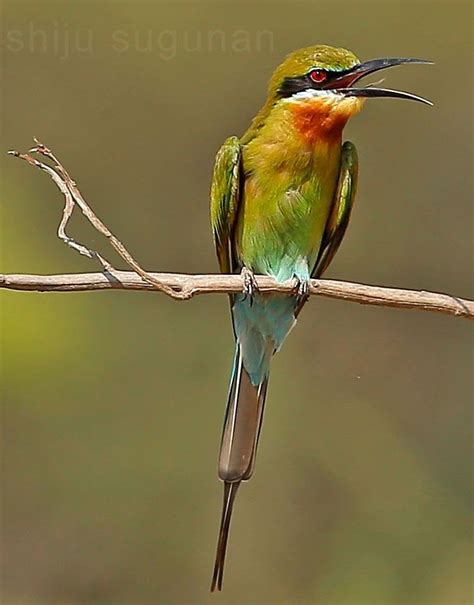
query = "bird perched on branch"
x=281 y=200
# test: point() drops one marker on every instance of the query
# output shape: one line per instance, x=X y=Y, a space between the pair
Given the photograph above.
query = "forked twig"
x=73 y=197
x=184 y=287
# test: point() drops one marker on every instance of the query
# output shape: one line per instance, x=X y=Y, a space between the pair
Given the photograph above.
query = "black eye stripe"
x=291 y=86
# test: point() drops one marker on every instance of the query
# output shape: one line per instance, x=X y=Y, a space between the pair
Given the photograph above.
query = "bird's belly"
x=280 y=233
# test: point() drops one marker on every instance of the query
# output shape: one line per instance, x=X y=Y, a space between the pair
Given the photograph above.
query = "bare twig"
x=72 y=197
x=69 y=205
x=185 y=287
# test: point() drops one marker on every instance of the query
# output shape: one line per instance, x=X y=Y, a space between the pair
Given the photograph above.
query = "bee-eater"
x=281 y=199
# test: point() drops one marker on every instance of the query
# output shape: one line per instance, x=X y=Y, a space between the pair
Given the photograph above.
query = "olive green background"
x=113 y=402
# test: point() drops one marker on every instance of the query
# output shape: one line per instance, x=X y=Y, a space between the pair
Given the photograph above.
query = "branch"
x=184 y=287
x=72 y=198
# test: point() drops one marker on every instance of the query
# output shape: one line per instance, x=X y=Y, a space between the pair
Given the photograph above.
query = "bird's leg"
x=250 y=284
x=302 y=281
x=301 y=289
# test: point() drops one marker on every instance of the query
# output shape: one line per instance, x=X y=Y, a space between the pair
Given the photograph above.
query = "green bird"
x=281 y=200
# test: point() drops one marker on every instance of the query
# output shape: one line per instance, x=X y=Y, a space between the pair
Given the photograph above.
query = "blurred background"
x=113 y=402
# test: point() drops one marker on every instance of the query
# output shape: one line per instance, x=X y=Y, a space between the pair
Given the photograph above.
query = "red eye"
x=318 y=75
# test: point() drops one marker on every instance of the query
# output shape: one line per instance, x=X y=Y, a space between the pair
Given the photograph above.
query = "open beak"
x=344 y=84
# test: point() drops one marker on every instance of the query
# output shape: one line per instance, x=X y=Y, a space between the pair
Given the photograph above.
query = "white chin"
x=311 y=93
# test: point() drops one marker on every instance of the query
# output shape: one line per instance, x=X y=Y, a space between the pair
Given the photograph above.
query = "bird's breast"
x=317 y=120
x=290 y=170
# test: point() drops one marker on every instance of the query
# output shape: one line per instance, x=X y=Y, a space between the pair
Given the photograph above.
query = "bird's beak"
x=344 y=84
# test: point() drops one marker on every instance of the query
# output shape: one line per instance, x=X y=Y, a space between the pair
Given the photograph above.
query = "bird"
x=280 y=203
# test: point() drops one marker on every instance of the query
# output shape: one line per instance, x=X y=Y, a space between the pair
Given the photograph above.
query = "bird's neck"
x=320 y=119
x=293 y=132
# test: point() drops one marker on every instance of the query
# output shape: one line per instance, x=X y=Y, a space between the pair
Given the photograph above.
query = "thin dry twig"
x=184 y=287
x=69 y=205
x=73 y=197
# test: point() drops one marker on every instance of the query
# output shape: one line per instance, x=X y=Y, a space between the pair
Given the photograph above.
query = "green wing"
x=225 y=193
x=341 y=208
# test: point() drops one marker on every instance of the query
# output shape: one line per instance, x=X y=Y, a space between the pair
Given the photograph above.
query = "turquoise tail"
x=260 y=325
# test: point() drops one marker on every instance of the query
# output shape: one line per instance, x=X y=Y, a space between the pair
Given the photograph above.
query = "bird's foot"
x=250 y=284
x=301 y=289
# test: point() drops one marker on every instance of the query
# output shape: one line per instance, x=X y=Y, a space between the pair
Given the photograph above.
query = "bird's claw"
x=301 y=288
x=250 y=284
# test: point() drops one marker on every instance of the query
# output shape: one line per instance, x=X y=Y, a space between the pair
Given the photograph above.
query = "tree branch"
x=73 y=198
x=184 y=287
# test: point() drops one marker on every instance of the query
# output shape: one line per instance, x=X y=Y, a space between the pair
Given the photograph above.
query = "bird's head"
x=330 y=73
